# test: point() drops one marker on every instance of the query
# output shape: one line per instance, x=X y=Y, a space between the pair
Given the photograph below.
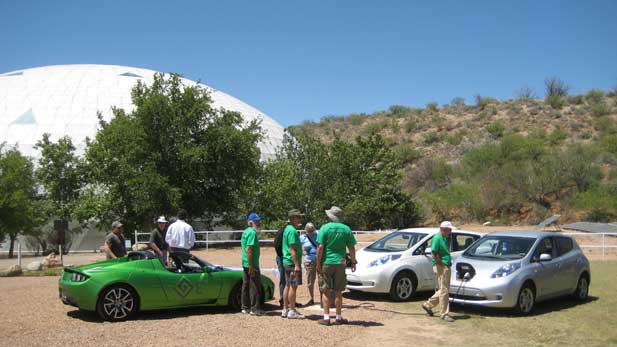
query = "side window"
x=420 y=250
x=460 y=242
x=564 y=245
x=545 y=246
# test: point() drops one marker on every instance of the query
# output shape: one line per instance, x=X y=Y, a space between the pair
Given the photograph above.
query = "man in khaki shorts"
x=334 y=239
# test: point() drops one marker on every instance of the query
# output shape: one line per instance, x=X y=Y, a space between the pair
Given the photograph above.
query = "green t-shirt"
x=250 y=238
x=291 y=237
x=335 y=237
x=440 y=246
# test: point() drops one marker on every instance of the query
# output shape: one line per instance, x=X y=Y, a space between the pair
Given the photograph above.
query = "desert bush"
x=376 y=127
x=406 y=153
x=557 y=136
x=431 y=137
x=600 y=204
x=429 y=175
x=525 y=93
x=605 y=125
x=456 y=138
x=357 y=119
x=576 y=100
x=496 y=130
x=594 y=96
x=555 y=101
x=432 y=107
x=555 y=87
x=410 y=125
x=395 y=126
x=600 y=109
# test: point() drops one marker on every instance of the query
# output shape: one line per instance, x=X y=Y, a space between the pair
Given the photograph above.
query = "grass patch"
x=54 y=271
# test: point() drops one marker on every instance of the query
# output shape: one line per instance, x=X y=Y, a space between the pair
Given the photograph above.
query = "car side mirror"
x=545 y=257
x=427 y=251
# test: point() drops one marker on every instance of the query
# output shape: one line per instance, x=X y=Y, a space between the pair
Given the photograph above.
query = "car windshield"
x=501 y=247
x=395 y=242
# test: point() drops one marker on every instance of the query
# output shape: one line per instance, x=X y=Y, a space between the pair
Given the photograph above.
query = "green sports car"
x=118 y=288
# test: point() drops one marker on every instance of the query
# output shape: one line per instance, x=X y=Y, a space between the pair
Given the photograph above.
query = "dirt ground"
x=33 y=315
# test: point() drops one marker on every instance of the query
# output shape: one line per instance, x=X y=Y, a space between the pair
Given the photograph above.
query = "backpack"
x=278 y=241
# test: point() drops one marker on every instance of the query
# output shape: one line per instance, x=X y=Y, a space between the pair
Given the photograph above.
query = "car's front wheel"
x=526 y=300
x=403 y=287
x=582 y=289
x=117 y=303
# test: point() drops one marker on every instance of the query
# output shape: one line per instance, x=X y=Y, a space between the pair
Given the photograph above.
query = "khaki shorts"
x=291 y=278
x=311 y=272
x=333 y=277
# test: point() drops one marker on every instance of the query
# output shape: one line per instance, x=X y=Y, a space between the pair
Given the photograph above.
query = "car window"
x=564 y=245
x=460 y=242
x=500 y=247
x=396 y=242
x=545 y=246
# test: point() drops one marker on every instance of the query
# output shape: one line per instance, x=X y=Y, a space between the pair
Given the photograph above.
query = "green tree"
x=173 y=150
x=362 y=177
x=60 y=173
x=19 y=205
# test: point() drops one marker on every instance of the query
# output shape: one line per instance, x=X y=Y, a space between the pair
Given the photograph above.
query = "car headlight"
x=76 y=277
x=506 y=270
x=384 y=260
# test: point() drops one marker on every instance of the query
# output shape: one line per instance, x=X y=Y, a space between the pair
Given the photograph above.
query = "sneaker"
x=324 y=322
x=447 y=318
x=284 y=313
x=244 y=311
x=428 y=310
x=340 y=321
x=293 y=314
x=257 y=313
x=310 y=303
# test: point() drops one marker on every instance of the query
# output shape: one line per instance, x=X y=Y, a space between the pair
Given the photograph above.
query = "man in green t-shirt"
x=292 y=258
x=334 y=239
x=440 y=248
x=251 y=280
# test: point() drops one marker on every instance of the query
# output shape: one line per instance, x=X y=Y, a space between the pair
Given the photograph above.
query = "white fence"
x=206 y=239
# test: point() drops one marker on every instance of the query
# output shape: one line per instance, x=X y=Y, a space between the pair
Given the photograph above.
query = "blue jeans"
x=282 y=283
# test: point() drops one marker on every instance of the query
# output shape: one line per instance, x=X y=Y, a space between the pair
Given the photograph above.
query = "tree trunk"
x=11 y=245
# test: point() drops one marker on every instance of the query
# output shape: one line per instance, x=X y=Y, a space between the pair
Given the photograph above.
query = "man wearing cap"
x=440 y=248
x=180 y=235
x=251 y=280
x=157 y=239
x=334 y=239
x=114 y=242
x=292 y=260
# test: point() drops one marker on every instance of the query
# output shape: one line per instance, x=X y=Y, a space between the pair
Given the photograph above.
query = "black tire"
x=117 y=302
x=581 y=293
x=526 y=300
x=235 y=297
x=403 y=286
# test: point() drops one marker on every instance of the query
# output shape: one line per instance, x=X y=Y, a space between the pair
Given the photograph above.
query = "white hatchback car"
x=400 y=263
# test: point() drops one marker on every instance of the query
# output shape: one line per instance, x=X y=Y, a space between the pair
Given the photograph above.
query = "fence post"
x=19 y=253
x=136 y=236
x=603 y=246
x=207 y=240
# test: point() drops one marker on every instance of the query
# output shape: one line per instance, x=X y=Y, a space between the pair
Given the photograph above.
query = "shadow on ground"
x=541 y=308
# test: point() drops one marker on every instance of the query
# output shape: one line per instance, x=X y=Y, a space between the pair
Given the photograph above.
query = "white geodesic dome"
x=64 y=100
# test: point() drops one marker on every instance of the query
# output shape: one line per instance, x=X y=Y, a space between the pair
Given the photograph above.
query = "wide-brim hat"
x=294 y=213
x=161 y=220
x=335 y=214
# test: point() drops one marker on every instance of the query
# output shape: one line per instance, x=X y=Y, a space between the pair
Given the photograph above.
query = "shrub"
x=357 y=119
x=395 y=126
x=406 y=154
x=376 y=127
x=605 y=125
x=458 y=102
x=526 y=93
x=555 y=87
x=600 y=203
x=432 y=107
x=455 y=139
x=496 y=130
x=600 y=109
x=555 y=101
x=557 y=136
x=576 y=99
x=431 y=137
x=410 y=125
x=594 y=96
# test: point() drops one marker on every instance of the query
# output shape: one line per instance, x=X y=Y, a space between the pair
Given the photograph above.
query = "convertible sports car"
x=118 y=288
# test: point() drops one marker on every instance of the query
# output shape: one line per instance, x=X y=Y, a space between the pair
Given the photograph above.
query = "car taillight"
x=77 y=277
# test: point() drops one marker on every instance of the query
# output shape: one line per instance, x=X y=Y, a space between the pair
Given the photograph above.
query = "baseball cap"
x=253 y=217
x=446 y=225
x=116 y=224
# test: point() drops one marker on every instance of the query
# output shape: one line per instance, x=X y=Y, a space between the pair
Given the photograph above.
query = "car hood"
x=364 y=257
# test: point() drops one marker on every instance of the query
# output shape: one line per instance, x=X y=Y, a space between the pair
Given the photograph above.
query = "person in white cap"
x=440 y=248
x=157 y=239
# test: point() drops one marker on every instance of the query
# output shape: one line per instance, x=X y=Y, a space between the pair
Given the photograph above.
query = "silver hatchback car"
x=516 y=269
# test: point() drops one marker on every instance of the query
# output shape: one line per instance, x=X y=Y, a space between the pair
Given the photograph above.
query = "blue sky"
x=301 y=60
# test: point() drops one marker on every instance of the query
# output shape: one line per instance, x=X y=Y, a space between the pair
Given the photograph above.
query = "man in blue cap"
x=251 y=281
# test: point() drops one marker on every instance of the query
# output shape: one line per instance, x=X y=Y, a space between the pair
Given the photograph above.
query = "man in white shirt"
x=180 y=235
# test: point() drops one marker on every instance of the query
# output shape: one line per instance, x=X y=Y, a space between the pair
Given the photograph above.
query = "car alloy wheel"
x=403 y=287
x=117 y=303
x=582 y=289
x=526 y=300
